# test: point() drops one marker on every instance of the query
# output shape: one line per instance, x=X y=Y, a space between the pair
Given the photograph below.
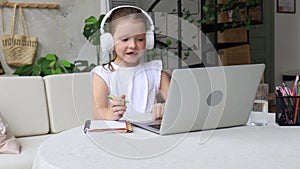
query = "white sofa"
x=36 y=108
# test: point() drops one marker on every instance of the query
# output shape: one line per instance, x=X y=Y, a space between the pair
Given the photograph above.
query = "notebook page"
x=104 y=124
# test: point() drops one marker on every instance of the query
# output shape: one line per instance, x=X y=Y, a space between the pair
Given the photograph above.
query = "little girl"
x=125 y=77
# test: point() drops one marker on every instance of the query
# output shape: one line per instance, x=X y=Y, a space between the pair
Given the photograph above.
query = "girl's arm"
x=164 y=84
x=158 y=109
x=100 y=108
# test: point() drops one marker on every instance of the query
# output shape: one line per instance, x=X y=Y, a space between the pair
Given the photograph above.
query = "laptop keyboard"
x=156 y=126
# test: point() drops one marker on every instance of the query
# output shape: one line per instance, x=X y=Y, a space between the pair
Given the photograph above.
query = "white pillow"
x=8 y=143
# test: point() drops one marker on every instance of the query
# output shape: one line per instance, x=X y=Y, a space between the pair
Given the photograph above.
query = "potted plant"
x=91 y=32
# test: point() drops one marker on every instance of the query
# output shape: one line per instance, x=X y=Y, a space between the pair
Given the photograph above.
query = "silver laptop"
x=208 y=98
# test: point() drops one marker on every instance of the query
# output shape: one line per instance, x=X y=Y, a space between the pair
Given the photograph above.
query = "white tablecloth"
x=247 y=147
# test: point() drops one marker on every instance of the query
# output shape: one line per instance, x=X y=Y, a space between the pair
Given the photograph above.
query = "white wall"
x=287 y=43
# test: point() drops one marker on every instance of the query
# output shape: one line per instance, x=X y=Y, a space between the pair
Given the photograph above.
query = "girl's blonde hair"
x=123 y=13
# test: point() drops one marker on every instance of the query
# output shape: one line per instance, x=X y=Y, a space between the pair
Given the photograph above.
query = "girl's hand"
x=158 y=111
x=118 y=106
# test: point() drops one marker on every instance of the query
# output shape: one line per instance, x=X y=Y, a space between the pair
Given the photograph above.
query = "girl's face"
x=130 y=41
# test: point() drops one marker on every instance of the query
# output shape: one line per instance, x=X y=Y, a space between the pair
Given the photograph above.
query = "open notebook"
x=106 y=125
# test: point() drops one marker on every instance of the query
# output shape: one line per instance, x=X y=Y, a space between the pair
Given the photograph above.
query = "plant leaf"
x=71 y=69
x=45 y=71
x=90 y=20
x=36 y=70
x=168 y=42
x=51 y=57
x=23 y=70
x=91 y=29
x=52 y=64
x=41 y=60
x=65 y=63
x=58 y=70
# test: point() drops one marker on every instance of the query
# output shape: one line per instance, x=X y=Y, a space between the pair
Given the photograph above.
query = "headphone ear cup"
x=149 y=40
x=106 y=42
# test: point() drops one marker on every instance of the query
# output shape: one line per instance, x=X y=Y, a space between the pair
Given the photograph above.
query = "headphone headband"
x=106 y=39
x=125 y=6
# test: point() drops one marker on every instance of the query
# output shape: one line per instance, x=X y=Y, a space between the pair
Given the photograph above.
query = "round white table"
x=247 y=147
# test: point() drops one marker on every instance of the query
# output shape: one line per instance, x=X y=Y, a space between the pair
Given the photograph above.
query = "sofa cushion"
x=69 y=100
x=23 y=105
x=24 y=160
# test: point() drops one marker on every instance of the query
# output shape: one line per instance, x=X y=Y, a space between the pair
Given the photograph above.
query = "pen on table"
x=111 y=98
x=87 y=125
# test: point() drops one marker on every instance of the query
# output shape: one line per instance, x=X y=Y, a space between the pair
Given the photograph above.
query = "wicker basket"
x=19 y=50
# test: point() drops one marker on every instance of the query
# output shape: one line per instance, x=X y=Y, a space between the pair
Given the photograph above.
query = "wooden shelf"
x=229 y=45
x=31 y=5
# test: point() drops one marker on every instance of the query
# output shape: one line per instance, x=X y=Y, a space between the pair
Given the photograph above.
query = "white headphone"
x=106 y=39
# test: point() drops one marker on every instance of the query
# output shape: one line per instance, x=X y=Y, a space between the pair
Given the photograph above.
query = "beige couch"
x=36 y=108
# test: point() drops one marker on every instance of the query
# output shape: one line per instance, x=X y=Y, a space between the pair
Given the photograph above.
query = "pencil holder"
x=288 y=110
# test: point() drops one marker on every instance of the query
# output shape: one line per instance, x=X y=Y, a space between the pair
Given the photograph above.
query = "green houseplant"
x=48 y=65
x=91 y=32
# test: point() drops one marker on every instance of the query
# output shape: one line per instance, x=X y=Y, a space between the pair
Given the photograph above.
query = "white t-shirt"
x=140 y=84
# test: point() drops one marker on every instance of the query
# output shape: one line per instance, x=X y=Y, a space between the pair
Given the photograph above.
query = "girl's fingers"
x=157 y=111
x=118 y=100
x=123 y=96
x=118 y=106
x=119 y=110
x=162 y=110
x=153 y=112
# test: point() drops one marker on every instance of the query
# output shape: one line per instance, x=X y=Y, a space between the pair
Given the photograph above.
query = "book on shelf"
x=107 y=125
